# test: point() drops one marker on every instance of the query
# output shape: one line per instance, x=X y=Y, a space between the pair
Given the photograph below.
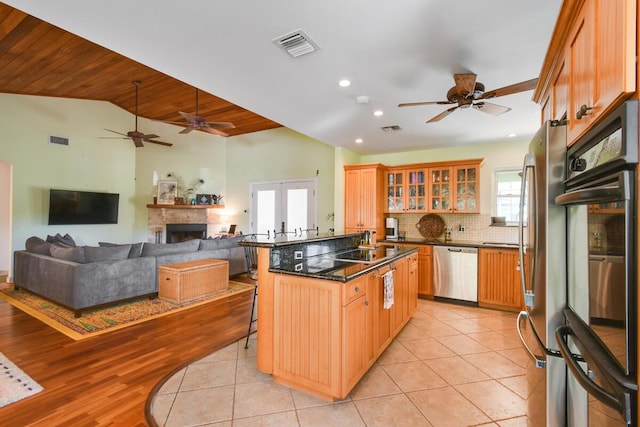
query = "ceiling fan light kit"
x=470 y=93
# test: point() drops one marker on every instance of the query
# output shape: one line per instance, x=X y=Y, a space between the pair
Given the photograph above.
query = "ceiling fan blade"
x=149 y=136
x=511 y=89
x=137 y=142
x=186 y=130
x=465 y=83
x=159 y=142
x=413 y=104
x=123 y=134
x=214 y=131
x=223 y=125
x=187 y=117
x=442 y=115
x=494 y=109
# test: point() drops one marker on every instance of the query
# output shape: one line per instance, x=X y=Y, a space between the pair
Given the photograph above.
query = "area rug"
x=107 y=319
x=14 y=383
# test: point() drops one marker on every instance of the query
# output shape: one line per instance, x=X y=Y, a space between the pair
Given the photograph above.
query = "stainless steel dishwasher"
x=455 y=272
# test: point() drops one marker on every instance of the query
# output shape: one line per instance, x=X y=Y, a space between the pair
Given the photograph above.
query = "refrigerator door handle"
x=527 y=294
x=539 y=362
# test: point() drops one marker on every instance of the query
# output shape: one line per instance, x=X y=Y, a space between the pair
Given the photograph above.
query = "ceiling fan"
x=197 y=122
x=469 y=93
x=137 y=137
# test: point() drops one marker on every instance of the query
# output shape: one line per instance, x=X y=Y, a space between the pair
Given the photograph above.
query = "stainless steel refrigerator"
x=543 y=274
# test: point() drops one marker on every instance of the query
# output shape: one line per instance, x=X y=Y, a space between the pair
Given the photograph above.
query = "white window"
x=507 y=184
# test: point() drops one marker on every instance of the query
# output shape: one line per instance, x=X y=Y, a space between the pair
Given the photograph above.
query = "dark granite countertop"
x=281 y=240
x=465 y=243
x=327 y=267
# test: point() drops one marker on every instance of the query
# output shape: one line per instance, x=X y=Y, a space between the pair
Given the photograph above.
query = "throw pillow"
x=136 y=248
x=106 y=253
x=156 y=249
x=69 y=253
x=37 y=246
x=65 y=240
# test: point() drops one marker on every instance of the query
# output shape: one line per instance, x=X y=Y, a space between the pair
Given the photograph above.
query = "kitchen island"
x=323 y=316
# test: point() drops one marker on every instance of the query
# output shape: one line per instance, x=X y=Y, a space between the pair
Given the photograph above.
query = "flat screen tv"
x=82 y=207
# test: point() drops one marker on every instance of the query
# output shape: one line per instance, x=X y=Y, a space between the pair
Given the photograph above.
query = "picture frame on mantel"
x=167 y=192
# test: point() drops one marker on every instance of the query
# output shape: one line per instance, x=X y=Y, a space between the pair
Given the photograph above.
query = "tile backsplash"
x=476 y=227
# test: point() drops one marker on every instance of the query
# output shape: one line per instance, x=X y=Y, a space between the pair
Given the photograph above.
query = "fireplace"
x=182 y=232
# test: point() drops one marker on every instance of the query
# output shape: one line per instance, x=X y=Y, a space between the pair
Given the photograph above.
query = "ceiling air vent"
x=60 y=140
x=390 y=129
x=296 y=43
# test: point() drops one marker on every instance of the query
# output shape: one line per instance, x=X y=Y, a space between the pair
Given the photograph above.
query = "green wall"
x=227 y=165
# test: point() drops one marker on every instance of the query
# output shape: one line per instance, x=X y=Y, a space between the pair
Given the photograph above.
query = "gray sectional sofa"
x=82 y=277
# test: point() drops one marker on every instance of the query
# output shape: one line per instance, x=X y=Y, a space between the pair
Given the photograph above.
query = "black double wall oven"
x=599 y=338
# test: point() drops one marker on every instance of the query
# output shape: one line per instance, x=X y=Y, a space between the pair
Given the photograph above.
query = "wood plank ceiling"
x=37 y=58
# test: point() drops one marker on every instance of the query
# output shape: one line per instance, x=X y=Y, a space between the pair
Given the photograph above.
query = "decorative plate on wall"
x=431 y=226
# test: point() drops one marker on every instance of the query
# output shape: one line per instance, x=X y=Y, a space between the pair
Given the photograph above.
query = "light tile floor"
x=451 y=365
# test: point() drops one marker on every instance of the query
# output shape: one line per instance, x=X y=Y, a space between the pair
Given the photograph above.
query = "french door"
x=283 y=207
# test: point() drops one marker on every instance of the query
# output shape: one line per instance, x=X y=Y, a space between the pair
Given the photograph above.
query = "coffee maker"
x=392 y=229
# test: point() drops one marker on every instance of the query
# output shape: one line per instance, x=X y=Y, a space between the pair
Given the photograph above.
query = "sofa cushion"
x=37 y=246
x=69 y=253
x=65 y=240
x=136 y=248
x=106 y=253
x=219 y=243
x=156 y=249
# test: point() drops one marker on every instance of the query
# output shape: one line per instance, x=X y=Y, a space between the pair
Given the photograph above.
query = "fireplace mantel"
x=185 y=206
x=158 y=216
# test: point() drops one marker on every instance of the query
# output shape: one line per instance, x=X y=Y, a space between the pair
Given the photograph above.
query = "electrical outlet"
x=461 y=228
x=297 y=254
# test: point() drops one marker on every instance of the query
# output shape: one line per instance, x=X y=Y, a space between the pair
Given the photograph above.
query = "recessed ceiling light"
x=378 y=113
x=344 y=83
x=362 y=99
x=511 y=135
x=358 y=140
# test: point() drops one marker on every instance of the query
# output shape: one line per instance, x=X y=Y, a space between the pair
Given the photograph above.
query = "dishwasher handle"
x=454 y=250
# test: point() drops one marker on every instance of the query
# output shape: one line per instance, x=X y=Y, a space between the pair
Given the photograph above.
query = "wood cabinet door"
x=499 y=279
x=560 y=93
x=416 y=190
x=352 y=199
x=382 y=316
x=440 y=188
x=307 y=332
x=369 y=198
x=394 y=184
x=412 y=286
x=354 y=343
x=582 y=72
x=615 y=46
x=425 y=270
x=401 y=295
x=466 y=196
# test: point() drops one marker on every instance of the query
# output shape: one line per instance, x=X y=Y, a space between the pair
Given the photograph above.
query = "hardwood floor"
x=106 y=380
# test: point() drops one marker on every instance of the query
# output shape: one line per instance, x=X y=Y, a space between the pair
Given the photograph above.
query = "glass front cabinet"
x=406 y=190
x=454 y=189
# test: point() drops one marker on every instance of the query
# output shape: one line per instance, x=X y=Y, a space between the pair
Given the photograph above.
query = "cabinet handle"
x=366 y=303
x=357 y=289
x=582 y=111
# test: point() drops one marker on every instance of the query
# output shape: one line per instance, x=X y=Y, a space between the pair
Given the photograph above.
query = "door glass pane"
x=445 y=175
x=266 y=215
x=471 y=174
x=297 y=217
x=462 y=174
